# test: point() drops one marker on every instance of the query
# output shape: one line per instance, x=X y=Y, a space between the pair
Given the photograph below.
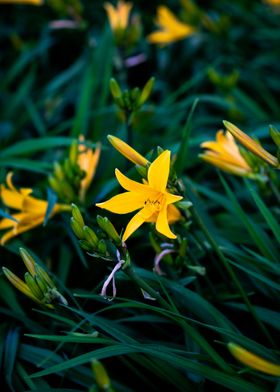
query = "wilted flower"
x=152 y=198
x=253 y=361
x=251 y=144
x=87 y=160
x=171 y=28
x=31 y=213
x=38 y=285
x=224 y=154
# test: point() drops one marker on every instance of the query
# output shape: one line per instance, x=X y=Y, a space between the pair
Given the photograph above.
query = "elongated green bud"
x=42 y=284
x=78 y=230
x=101 y=376
x=77 y=215
x=28 y=261
x=115 y=88
x=44 y=276
x=73 y=153
x=34 y=288
x=102 y=248
x=275 y=135
x=146 y=92
x=108 y=227
x=90 y=236
x=58 y=171
x=85 y=245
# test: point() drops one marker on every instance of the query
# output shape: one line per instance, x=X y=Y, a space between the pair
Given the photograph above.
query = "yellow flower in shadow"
x=251 y=144
x=275 y=3
x=253 y=361
x=31 y=210
x=152 y=198
x=119 y=16
x=224 y=154
x=87 y=161
x=127 y=151
x=31 y=2
x=171 y=28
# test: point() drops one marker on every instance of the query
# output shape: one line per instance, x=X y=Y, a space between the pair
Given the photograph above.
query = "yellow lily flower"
x=31 y=2
x=32 y=210
x=251 y=144
x=127 y=151
x=253 y=361
x=87 y=160
x=224 y=154
x=152 y=198
x=119 y=16
x=171 y=28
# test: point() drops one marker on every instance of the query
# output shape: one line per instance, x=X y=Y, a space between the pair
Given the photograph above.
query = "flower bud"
x=108 y=227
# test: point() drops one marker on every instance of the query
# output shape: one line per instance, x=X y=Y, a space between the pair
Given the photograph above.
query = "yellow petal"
x=11 y=198
x=87 y=160
x=127 y=151
x=112 y=15
x=172 y=198
x=124 y=203
x=18 y=229
x=254 y=361
x=133 y=225
x=158 y=172
x=225 y=165
x=130 y=185
x=162 y=225
x=173 y=214
x=34 y=205
x=123 y=12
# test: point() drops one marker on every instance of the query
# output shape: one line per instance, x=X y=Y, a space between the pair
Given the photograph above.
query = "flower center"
x=154 y=204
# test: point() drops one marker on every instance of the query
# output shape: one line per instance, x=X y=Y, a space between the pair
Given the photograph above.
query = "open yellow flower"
x=119 y=16
x=127 y=151
x=224 y=154
x=32 y=210
x=32 y=2
x=171 y=29
x=87 y=160
x=253 y=361
x=251 y=144
x=152 y=198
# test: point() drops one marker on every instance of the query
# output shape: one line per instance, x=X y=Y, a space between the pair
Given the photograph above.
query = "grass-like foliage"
x=139 y=195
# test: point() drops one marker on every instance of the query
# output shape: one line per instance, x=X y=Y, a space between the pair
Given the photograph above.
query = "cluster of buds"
x=104 y=243
x=225 y=82
x=129 y=101
x=38 y=285
x=72 y=177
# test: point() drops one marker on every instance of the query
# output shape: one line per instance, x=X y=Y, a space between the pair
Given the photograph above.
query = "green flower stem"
x=196 y=336
x=231 y=273
x=274 y=190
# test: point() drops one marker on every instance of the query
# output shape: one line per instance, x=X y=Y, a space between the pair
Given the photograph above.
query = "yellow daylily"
x=152 y=198
x=251 y=144
x=119 y=16
x=87 y=160
x=224 y=154
x=171 y=28
x=127 y=151
x=32 y=210
x=31 y=2
x=253 y=361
